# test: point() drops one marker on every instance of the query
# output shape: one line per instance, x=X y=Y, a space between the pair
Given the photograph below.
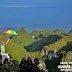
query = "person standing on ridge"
x=3 y=54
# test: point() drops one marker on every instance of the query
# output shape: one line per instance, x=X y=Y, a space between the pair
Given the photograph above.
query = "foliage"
x=58 y=31
x=31 y=41
x=59 y=44
x=42 y=33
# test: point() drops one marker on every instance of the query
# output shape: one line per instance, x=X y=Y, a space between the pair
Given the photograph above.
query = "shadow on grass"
x=38 y=45
x=66 y=48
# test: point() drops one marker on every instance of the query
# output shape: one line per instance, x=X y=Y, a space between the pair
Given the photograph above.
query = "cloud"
x=17 y=6
x=25 y=6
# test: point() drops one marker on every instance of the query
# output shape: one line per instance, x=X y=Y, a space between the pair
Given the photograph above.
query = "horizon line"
x=17 y=6
x=24 y=6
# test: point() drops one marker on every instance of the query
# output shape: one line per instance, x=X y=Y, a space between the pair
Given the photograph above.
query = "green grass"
x=59 y=44
x=64 y=44
x=45 y=33
x=68 y=57
x=31 y=41
x=58 y=31
x=39 y=44
x=22 y=38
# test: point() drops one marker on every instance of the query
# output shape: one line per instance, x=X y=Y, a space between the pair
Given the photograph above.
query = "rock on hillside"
x=31 y=64
x=28 y=64
x=12 y=67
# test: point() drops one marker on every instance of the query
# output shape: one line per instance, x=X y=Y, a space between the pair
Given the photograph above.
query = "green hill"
x=16 y=51
x=23 y=44
x=39 y=44
x=58 y=31
x=70 y=32
x=59 y=44
x=68 y=57
x=63 y=47
x=45 y=33
x=22 y=38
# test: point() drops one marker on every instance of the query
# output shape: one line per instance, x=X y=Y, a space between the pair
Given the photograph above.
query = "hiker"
x=3 y=54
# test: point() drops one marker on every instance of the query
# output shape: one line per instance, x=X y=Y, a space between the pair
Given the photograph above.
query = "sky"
x=36 y=14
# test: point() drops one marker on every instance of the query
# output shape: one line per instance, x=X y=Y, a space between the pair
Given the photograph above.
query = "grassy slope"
x=64 y=44
x=47 y=33
x=22 y=38
x=38 y=45
x=70 y=32
x=58 y=31
x=16 y=51
x=59 y=44
x=68 y=57
x=44 y=32
x=31 y=41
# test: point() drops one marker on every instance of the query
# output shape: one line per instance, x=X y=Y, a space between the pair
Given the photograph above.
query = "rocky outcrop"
x=31 y=64
x=12 y=67
x=28 y=64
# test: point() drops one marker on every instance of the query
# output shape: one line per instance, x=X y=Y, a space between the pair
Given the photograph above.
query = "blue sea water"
x=36 y=18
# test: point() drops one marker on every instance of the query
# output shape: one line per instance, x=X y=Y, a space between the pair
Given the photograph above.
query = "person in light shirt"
x=3 y=54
